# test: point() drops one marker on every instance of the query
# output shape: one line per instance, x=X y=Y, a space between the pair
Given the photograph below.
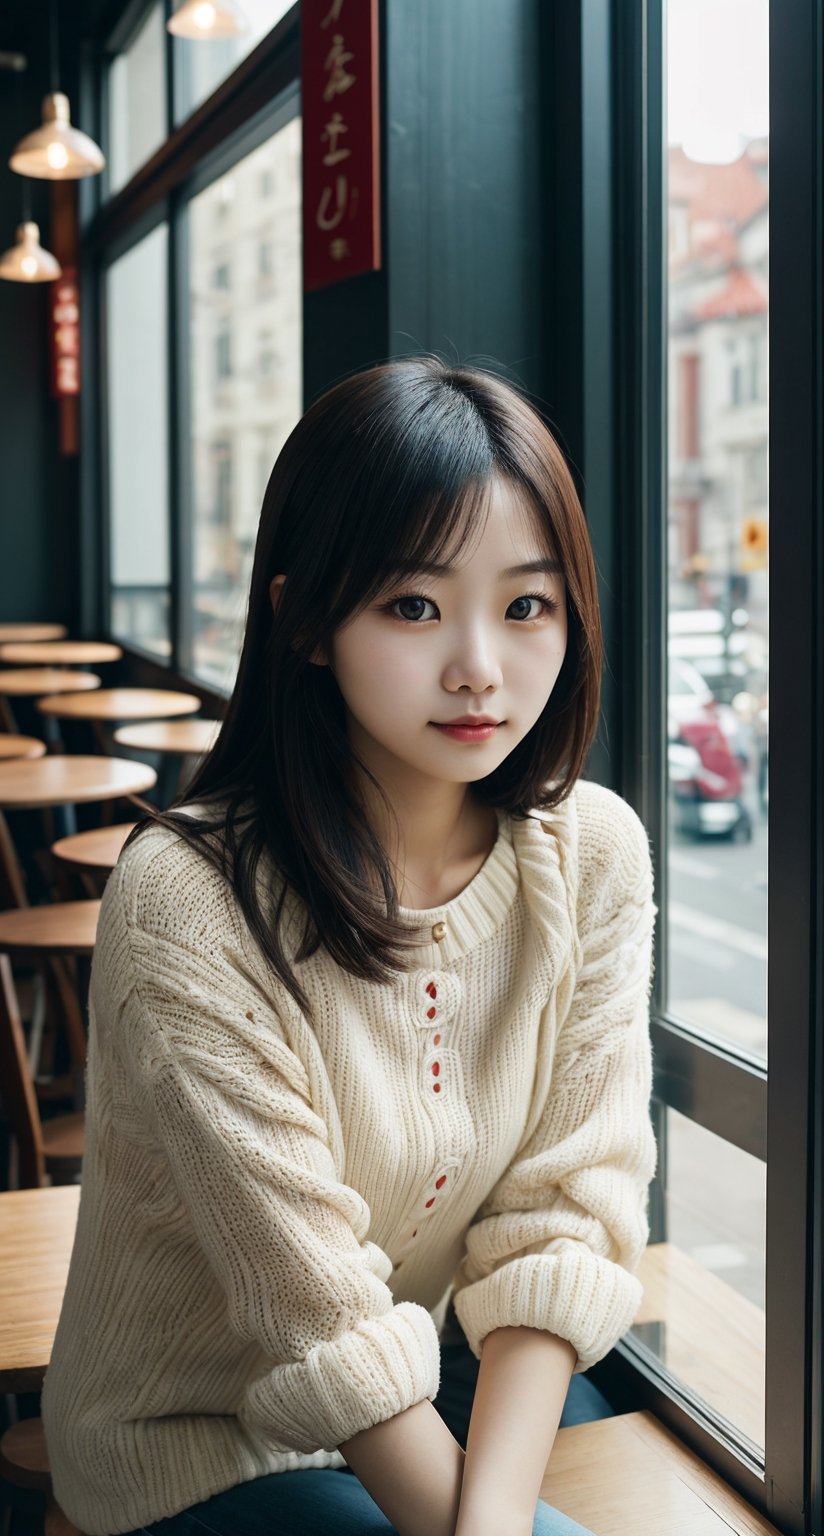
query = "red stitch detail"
x=440 y=1181
x=430 y=1202
x=436 y=1067
x=432 y=989
x=437 y=1040
x=436 y=1087
x=430 y=1013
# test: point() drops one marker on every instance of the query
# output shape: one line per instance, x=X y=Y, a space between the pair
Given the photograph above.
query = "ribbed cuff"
x=567 y=1290
x=344 y=1385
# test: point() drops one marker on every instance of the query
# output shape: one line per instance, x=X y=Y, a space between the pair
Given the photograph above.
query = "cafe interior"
x=616 y=204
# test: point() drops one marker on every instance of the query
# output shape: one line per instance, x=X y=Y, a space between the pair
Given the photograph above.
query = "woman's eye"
x=411 y=607
x=410 y=603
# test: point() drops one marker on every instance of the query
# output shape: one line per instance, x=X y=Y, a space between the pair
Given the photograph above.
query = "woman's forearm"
x=522 y=1384
x=412 y=1465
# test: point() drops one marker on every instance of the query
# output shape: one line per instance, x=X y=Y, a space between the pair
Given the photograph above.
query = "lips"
x=472 y=720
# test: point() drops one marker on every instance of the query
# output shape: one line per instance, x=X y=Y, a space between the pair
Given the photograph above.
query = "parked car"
x=708 y=756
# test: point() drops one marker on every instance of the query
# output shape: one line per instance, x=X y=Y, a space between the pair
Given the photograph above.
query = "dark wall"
x=39 y=578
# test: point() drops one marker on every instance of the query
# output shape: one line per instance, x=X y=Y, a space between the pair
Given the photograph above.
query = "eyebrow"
x=438 y=568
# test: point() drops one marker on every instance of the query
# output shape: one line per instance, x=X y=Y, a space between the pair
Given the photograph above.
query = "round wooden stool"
x=60 y=653
x=12 y=745
x=26 y=632
x=97 y=850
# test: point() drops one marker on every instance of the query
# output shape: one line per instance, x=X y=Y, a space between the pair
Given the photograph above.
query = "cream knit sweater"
x=273 y=1217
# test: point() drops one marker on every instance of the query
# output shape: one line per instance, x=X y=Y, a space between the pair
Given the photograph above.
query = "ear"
x=275 y=589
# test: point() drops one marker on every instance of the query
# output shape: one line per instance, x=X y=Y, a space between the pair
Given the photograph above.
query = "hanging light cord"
x=53 y=49
x=25 y=195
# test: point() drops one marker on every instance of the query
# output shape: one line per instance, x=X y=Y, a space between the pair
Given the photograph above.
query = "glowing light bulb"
x=28 y=266
x=57 y=156
x=204 y=16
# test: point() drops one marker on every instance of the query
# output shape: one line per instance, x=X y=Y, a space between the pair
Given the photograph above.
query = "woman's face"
x=481 y=638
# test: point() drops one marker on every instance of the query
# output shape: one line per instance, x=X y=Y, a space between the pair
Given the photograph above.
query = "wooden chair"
x=24 y=1463
x=52 y=1148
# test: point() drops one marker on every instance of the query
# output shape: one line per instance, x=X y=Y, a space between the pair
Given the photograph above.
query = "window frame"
x=247 y=108
x=715 y=1085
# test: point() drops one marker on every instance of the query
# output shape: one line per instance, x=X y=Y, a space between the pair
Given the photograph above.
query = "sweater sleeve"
x=556 y=1243
x=249 y=1159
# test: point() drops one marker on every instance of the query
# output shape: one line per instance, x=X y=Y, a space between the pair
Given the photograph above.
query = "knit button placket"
x=437 y=1189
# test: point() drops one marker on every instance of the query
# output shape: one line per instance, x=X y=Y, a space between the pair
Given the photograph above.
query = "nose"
x=472 y=664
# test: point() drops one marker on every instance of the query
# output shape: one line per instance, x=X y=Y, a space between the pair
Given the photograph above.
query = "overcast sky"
x=717 y=76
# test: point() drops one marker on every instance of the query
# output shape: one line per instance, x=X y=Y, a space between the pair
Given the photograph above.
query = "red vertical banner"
x=341 y=141
x=64 y=329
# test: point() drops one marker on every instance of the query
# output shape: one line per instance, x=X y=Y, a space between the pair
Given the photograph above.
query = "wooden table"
x=111 y=705
x=121 y=704
x=36 y=1234
x=33 y=682
x=59 y=781
x=12 y=746
x=182 y=736
x=56 y=928
x=60 y=653
x=31 y=632
x=178 y=741
x=96 y=851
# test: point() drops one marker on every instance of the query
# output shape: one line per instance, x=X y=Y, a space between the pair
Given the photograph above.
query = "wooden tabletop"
x=31 y=681
x=186 y=736
x=20 y=746
x=60 y=927
x=57 y=653
x=36 y=1234
x=59 y=779
x=25 y=632
x=121 y=704
x=98 y=849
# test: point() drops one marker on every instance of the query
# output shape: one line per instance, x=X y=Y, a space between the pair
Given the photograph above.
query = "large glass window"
x=704 y=1283
x=202 y=64
x=138 y=425
x=137 y=99
x=245 y=340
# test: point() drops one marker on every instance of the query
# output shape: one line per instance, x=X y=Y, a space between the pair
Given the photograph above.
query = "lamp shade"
x=27 y=262
x=57 y=151
x=208 y=18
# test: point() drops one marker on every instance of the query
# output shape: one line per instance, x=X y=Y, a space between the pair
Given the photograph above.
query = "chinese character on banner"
x=341 y=149
x=64 y=329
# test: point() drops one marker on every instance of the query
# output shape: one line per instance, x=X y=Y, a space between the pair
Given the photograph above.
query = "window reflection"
x=703 y=1272
x=717 y=260
x=247 y=386
x=138 y=444
x=137 y=100
x=200 y=67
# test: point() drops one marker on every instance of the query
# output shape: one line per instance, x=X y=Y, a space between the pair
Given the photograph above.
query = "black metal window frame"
x=260 y=96
x=620 y=185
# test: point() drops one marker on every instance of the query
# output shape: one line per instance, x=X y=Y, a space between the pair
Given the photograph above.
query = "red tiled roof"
x=730 y=193
x=742 y=294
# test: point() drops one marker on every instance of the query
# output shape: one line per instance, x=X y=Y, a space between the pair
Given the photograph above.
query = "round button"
x=438 y=932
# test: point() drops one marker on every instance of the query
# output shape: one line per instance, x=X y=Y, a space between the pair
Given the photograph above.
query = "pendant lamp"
x=56 y=151
x=207 y=18
x=27 y=262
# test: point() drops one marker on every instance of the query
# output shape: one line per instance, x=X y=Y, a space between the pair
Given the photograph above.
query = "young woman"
x=368 y=1024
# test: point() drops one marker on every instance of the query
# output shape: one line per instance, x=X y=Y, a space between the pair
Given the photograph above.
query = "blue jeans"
x=328 y=1501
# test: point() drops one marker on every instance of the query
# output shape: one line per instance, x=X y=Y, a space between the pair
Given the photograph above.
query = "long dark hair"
x=390 y=464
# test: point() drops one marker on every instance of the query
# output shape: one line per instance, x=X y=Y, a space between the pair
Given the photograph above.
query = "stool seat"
x=60 y=653
x=24 y=1459
x=59 y=928
x=98 y=848
x=63 y=1138
x=13 y=745
x=30 y=682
